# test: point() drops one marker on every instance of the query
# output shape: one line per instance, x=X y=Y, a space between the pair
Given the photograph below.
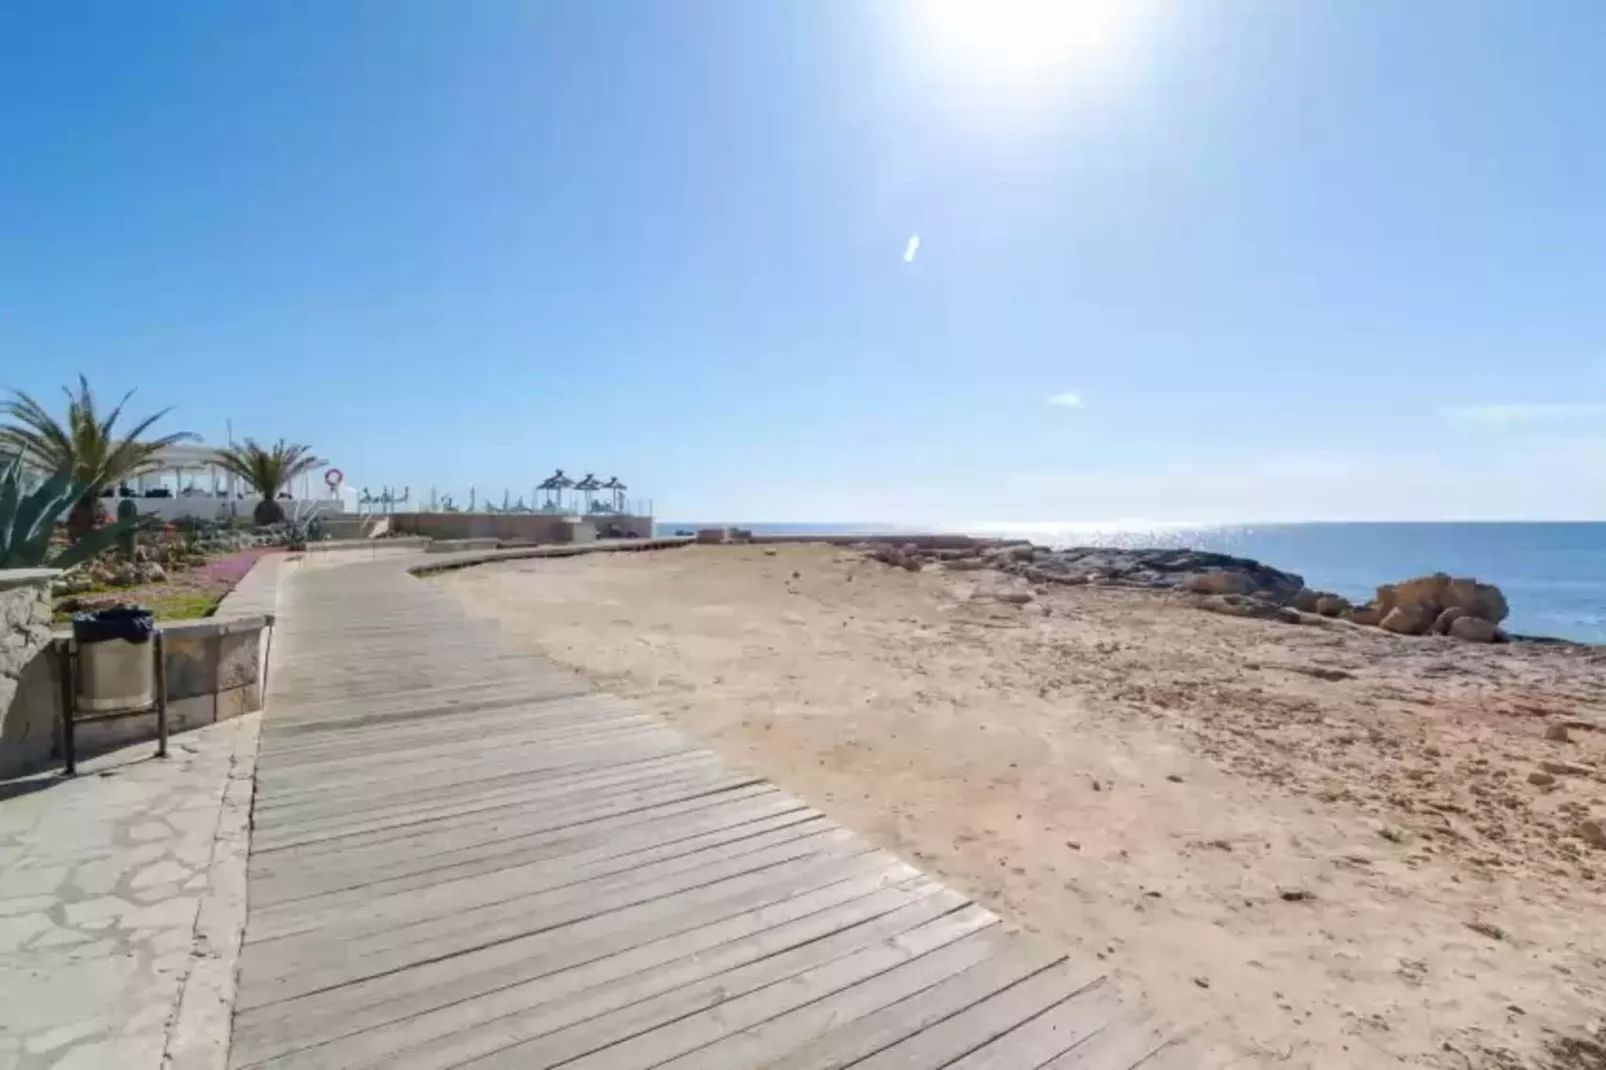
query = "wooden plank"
x=613 y=945
x=850 y=1042
x=804 y=1019
x=973 y=1028
x=1049 y=1035
x=586 y=1020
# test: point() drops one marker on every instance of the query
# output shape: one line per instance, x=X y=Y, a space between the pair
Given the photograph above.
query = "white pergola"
x=191 y=471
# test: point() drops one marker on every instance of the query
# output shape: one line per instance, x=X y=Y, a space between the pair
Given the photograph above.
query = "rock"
x=1305 y=601
x=1423 y=591
x=1557 y=733
x=1219 y=581
x=1441 y=623
x=1368 y=615
x=967 y=564
x=1541 y=779
x=1474 y=630
x=1566 y=768
x=1593 y=833
x=1331 y=605
x=1013 y=598
x=1439 y=591
x=152 y=573
x=1481 y=600
x=1405 y=619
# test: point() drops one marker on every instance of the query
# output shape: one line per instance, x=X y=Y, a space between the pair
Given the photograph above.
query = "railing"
x=480 y=499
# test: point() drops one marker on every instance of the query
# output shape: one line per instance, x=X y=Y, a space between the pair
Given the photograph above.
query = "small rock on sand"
x=1557 y=733
x=1541 y=779
x=1566 y=768
x=1593 y=833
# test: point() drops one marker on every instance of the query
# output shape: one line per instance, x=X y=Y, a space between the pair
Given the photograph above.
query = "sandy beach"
x=1317 y=846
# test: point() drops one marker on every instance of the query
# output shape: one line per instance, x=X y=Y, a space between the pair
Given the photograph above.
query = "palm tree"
x=84 y=445
x=267 y=470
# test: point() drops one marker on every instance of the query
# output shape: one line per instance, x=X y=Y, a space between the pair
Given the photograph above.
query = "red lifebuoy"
x=334 y=477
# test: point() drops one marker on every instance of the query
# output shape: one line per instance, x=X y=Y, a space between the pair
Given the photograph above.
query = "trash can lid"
x=133 y=624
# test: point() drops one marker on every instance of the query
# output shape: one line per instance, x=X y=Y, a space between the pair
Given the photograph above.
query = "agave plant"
x=267 y=469
x=304 y=525
x=86 y=445
x=27 y=520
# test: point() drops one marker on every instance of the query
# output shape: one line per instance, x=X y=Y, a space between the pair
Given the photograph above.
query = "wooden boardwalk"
x=464 y=856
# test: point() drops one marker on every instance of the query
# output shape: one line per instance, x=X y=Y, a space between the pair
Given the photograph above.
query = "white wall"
x=210 y=508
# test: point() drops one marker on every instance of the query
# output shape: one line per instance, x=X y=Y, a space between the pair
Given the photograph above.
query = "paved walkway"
x=121 y=899
x=463 y=856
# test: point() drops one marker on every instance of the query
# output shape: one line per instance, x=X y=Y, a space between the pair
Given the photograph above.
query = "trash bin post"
x=69 y=701
x=161 y=695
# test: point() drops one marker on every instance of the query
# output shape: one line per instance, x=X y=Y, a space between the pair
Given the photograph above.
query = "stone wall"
x=214 y=673
x=28 y=679
x=528 y=528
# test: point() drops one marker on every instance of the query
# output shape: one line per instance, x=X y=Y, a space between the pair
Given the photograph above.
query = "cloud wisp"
x=1511 y=414
x=911 y=248
x=1067 y=400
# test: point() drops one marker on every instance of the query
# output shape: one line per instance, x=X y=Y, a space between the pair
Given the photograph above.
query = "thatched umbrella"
x=588 y=486
x=618 y=489
x=557 y=484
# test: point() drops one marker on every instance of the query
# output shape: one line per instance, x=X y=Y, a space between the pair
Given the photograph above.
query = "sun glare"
x=1016 y=42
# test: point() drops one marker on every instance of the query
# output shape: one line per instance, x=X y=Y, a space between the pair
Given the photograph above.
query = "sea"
x=1553 y=574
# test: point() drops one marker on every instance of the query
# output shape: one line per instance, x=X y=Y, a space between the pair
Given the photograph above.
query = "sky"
x=918 y=261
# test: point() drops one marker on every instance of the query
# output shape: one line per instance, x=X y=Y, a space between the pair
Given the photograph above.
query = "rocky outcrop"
x=1236 y=586
x=1332 y=605
x=1440 y=592
x=1444 y=605
x=1406 y=620
x=1219 y=581
x=1475 y=629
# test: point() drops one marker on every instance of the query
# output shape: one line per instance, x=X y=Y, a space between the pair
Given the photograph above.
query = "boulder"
x=1440 y=592
x=1481 y=600
x=1219 y=581
x=1422 y=591
x=1441 y=623
x=1406 y=620
x=1474 y=629
x=1305 y=601
x=1368 y=614
x=1331 y=605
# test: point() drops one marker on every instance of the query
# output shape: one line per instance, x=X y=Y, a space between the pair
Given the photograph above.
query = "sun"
x=1023 y=41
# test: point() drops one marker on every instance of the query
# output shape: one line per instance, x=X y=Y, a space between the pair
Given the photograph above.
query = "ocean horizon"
x=1553 y=573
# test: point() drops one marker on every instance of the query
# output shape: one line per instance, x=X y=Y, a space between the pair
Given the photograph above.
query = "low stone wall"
x=28 y=688
x=214 y=673
x=528 y=528
x=517 y=553
x=216 y=668
x=457 y=546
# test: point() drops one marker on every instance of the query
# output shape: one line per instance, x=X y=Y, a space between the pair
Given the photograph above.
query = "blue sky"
x=1213 y=260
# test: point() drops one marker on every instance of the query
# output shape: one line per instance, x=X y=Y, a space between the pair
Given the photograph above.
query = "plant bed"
x=182 y=594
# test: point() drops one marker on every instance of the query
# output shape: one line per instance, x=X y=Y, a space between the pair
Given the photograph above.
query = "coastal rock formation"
x=1441 y=592
x=1332 y=605
x=1474 y=629
x=1220 y=583
x=1412 y=619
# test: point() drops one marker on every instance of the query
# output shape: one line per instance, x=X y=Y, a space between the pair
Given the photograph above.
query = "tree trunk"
x=268 y=511
x=85 y=516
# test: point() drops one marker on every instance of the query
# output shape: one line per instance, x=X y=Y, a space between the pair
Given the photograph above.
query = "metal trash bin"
x=114 y=667
x=116 y=663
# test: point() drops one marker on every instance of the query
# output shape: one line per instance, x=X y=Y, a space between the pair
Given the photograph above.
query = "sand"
x=1312 y=846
